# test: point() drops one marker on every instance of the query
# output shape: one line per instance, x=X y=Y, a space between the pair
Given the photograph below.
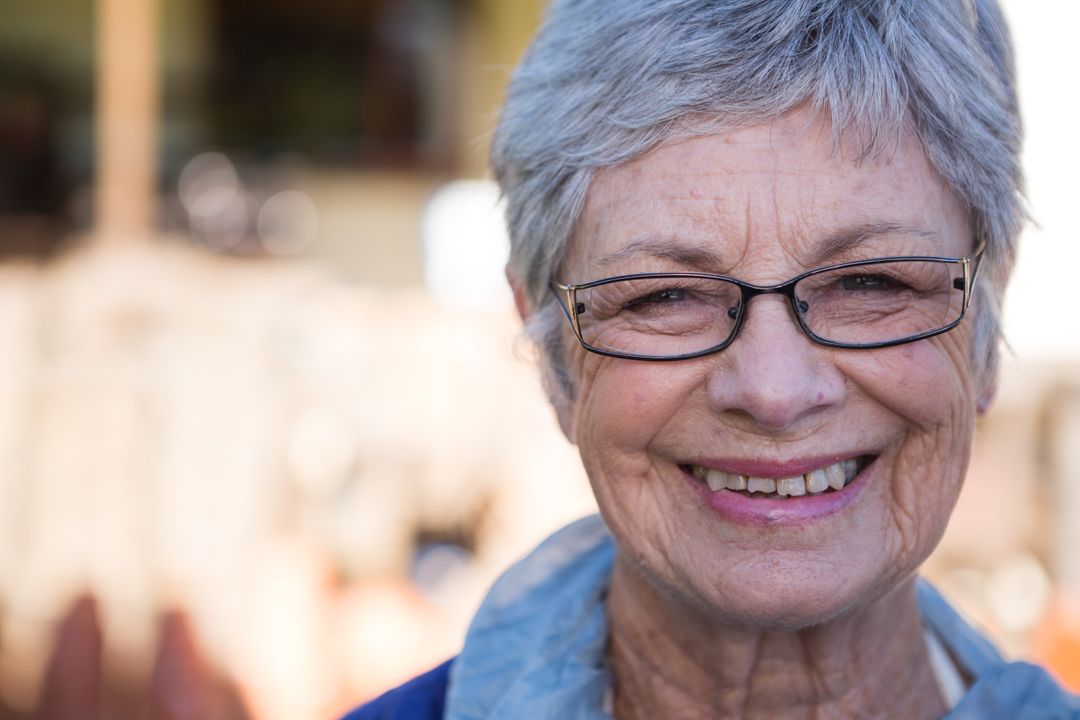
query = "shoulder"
x=422 y=698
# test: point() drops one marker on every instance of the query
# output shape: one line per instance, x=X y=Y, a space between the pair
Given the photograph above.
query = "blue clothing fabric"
x=422 y=698
x=536 y=649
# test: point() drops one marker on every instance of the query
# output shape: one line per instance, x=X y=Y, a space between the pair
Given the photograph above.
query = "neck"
x=672 y=660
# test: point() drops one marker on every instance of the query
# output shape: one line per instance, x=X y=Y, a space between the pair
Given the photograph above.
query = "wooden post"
x=498 y=33
x=127 y=111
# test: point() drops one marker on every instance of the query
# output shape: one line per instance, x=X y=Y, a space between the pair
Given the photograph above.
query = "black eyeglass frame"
x=566 y=295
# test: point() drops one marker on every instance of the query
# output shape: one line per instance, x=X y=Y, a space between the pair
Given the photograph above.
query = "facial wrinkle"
x=827 y=668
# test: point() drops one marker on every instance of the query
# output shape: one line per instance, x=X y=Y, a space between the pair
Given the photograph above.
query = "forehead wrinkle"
x=845 y=241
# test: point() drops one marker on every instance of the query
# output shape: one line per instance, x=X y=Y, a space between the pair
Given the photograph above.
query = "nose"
x=772 y=375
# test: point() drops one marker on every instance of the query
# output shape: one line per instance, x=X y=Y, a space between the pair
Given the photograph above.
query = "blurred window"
x=340 y=82
x=46 y=91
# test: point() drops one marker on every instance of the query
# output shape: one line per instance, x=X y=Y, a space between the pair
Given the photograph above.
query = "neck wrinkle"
x=671 y=660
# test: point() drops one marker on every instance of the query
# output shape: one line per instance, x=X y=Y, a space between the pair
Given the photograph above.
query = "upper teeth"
x=834 y=476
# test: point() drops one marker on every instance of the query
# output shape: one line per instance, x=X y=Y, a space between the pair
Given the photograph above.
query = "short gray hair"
x=605 y=82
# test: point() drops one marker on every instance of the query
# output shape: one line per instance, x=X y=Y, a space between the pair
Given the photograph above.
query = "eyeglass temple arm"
x=565 y=295
x=971 y=270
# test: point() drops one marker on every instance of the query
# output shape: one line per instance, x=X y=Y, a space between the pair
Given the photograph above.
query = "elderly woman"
x=761 y=245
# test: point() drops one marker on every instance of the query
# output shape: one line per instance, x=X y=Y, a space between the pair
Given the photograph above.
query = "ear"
x=521 y=299
x=985 y=398
x=565 y=417
x=563 y=405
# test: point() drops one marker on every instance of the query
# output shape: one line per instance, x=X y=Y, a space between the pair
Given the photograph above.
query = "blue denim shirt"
x=536 y=650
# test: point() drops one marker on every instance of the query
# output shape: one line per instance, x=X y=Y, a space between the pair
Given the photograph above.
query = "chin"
x=792 y=596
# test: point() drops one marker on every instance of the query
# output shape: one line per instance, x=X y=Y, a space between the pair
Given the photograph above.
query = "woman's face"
x=764 y=204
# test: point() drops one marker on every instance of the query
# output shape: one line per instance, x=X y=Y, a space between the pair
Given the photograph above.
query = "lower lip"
x=741 y=509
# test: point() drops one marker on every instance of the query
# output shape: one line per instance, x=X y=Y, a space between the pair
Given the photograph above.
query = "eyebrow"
x=667 y=248
x=848 y=239
x=839 y=243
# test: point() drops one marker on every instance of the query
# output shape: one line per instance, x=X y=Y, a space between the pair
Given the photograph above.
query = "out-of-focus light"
x=386 y=632
x=219 y=209
x=321 y=449
x=466 y=246
x=208 y=181
x=1018 y=591
x=222 y=219
x=288 y=223
x=433 y=563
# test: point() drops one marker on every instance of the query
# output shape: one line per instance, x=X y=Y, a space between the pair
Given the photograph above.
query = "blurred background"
x=267 y=430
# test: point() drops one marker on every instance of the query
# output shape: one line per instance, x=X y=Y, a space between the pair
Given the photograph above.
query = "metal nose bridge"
x=786 y=288
x=748 y=291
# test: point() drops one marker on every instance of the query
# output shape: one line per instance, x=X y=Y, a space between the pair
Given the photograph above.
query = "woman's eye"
x=660 y=297
x=879 y=283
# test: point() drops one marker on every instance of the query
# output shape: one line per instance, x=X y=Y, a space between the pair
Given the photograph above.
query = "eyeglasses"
x=861 y=304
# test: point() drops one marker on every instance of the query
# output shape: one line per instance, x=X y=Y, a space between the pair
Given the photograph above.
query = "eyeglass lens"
x=862 y=305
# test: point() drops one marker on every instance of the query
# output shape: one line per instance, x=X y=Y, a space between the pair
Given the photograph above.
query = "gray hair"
x=604 y=82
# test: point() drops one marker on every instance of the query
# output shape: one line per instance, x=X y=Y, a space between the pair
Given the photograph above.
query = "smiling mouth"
x=828 y=479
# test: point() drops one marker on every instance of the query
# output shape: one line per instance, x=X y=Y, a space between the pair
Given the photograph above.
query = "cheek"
x=928 y=386
x=622 y=404
x=622 y=407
